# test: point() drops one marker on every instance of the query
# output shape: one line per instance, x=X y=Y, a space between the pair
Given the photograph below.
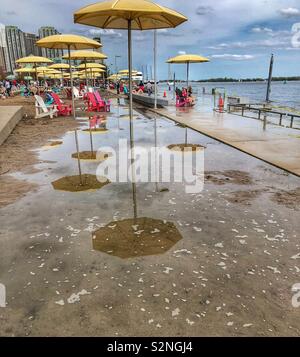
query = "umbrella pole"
x=130 y=70
x=131 y=121
x=37 y=80
x=86 y=78
x=186 y=136
x=91 y=139
x=74 y=115
x=155 y=69
x=187 y=75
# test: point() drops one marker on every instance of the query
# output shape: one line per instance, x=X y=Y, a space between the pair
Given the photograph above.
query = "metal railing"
x=264 y=111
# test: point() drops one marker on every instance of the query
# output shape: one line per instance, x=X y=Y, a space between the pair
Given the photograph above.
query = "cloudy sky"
x=237 y=35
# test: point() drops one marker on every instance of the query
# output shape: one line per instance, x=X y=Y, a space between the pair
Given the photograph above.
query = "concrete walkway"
x=9 y=118
x=276 y=145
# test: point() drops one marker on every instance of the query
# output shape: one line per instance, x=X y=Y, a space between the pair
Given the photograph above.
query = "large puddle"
x=151 y=259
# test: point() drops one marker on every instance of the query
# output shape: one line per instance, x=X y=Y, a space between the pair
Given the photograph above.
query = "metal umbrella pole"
x=131 y=120
x=86 y=77
x=187 y=75
x=74 y=116
x=155 y=69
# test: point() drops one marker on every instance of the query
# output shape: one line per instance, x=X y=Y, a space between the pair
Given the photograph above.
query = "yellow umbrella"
x=90 y=65
x=187 y=59
x=130 y=15
x=33 y=60
x=126 y=71
x=60 y=66
x=85 y=56
x=25 y=70
x=67 y=42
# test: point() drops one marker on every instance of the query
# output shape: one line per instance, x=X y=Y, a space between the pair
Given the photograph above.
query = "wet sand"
x=18 y=151
x=230 y=274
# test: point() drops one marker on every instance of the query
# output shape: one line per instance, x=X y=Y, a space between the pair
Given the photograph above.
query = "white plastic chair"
x=41 y=110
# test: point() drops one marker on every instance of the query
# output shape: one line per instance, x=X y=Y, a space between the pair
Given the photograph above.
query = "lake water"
x=282 y=94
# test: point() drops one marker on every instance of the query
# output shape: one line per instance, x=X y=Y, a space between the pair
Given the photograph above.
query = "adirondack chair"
x=100 y=101
x=42 y=110
x=92 y=105
x=77 y=94
x=62 y=109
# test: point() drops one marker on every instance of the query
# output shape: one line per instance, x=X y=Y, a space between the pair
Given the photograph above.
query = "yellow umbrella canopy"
x=130 y=15
x=100 y=70
x=115 y=14
x=126 y=71
x=60 y=66
x=25 y=70
x=68 y=41
x=90 y=65
x=187 y=59
x=43 y=69
x=33 y=59
x=85 y=55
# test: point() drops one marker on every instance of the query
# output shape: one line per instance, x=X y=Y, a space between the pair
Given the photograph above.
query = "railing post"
x=292 y=121
x=280 y=120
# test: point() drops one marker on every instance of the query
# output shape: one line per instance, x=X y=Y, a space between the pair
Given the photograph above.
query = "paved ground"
x=230 y=274
x=275 y=145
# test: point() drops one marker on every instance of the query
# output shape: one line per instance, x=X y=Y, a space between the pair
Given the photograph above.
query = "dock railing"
x=264 y=111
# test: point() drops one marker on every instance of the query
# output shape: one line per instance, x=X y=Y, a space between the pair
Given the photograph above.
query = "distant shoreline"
x=233 y=80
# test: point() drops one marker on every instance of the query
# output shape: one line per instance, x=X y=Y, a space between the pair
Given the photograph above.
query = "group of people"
x=186 y=95
x=6 y=88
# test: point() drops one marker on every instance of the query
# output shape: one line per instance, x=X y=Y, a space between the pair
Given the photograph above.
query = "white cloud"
x=182 y=52
x=103 y=32
x=261 y=30
x=231 y=57
x=290 y=12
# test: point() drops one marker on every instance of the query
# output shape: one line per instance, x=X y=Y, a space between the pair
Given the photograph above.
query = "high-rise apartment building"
x=16 y=49
x=49 y=31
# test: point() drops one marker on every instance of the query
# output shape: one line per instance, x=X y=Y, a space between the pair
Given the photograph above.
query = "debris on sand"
x=242 y=197
x=289 y=199
x=230 y=176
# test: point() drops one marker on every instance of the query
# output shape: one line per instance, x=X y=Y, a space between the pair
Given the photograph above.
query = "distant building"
x=98 y=39
x=3 y=49
x=45 y=52
x=16 y=49
x=15 y=44
x=30 y=46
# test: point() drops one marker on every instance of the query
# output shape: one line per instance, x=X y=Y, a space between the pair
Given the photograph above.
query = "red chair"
x=106 y=103
x=181 y=101
x=62 y=109
x=100 y=101
x=92 y=105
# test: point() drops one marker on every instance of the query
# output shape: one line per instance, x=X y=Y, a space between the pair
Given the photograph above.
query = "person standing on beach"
x=8 y=87
x=149 y=88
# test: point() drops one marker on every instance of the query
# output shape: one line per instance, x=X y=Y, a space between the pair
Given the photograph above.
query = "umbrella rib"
x=168 y=21
x=107 y=21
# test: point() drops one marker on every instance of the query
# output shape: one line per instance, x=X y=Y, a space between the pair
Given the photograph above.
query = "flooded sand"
x=230 y=274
